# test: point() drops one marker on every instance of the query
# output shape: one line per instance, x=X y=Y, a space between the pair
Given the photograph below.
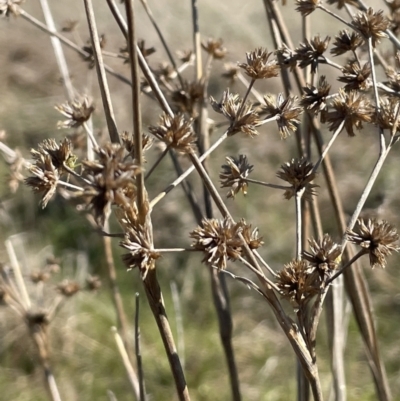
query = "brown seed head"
x=39 y=276
x=52 y=264
x=186 y=56
x=306 y=7
x=165 y=73
x=93 y=283
x=61 y=154
x=286 y=57
x=214 y=48
x=288 y=111
x=234 y=175
x=186 y=99
x=45 y=178
x=388 y=114
x=68 y=288
x=394 y=17
x=324 y=255
x=380 y=239
x=129 y=143
x=394 y=5
x=372 y=25
x=245 y=121
x=251 y=236
x=298 y=282
x=351 y=107
x=219 y=240
x=141 y=252
x=8 y=7
x=314 y=98
x=77 y=112
x=299 y=174
x=176 y=132
x=356 y=77
x=257 y=65
x=346 y=42
x=310 y=51
x=394 y=78
x=112 y=181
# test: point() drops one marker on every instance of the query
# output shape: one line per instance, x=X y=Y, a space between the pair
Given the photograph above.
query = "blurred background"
x=84 y=355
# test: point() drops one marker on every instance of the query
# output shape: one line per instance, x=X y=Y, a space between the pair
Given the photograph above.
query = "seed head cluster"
x=351 y=107
x=110 y=181
x=8 y=7
x=287 y=58
x=299 y=174
x=287 y=110
x=77 y=112
x=345 y=42
x=297 y=282
x=258 y=65
x=378 y=238
x=176 y=132
x=234 y=175
x=356 y=77
x=221 y=240
x=214 y=48
x=388 y=116
x=51 y=161
x=129 y=143
x=185 y=99
x=303 y=278
x=314 y=98
x=372 y=25
x=242 y=118
x=324 y=255
x=310 y=51
x=306 y=7
x=141 y=254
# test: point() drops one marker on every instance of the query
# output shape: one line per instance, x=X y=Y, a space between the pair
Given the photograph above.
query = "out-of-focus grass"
x=85 y=357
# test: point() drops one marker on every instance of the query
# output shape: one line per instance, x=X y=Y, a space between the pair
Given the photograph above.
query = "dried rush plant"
x=108 y=179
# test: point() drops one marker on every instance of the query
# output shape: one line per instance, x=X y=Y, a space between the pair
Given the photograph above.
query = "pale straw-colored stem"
x=299 y=242
x=127 y=363
x=101 y=73
x=364 y=196
x=136 y=112
x=347 y=265
x=328 y=146
x=70 y=186
x=19 y=279
x=267 y=184
x=174 y=184
x=138 y=351
x=246 y=83
x=265 y=264
x=58 y=50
